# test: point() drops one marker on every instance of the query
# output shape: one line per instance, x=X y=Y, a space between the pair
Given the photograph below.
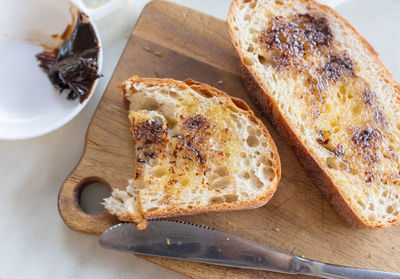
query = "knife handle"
x=330 y=271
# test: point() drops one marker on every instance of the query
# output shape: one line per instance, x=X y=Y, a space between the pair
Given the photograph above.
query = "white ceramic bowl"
x=30 y=106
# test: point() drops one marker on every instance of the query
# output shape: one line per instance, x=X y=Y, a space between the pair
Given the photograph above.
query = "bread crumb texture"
x=196 y=150
x=333 y=92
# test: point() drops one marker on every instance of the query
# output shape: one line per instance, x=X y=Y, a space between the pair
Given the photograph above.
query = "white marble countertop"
x=34 y=241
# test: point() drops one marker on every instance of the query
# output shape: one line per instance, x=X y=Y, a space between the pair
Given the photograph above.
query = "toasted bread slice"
x=329 y=95
x=197 y=150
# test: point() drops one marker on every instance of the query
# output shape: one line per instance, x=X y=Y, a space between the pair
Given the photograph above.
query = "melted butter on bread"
x=197 y=150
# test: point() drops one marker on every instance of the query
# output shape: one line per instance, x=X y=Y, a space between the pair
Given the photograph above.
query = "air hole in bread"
x=221 y=182
x=371 y=206
x=264 y=160
x=146 y=104
x=361 y=203
x=253 y=31
x=159 y=172
x=264 y=144
x=234 y=109
x=242 y=105
x=203 y=92
x=246 y=1
x=354 y=171
x=252 y=141
x=255 y=181
x=229 y=198
x=255 y=39
x=244 y=194
x=190 y=206
x=222 y=171
x=216 y=200
x=250 y=130
x=152 y=209
x=247 y=17
x=250 y=48
x=268 y=172
x=265 y=60
x=331 y=163
x=245 y=175
x=243 y=155
x=248 y=61
x=389 y=209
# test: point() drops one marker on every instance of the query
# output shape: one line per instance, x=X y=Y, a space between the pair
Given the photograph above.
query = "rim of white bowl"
x=68 y=117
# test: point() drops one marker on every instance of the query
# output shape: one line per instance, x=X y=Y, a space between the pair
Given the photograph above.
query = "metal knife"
x=185 y=241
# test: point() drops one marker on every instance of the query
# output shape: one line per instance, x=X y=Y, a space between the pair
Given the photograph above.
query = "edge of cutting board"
x=297 y=220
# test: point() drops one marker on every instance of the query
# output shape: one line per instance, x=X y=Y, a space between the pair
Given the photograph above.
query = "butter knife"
x=185 y=241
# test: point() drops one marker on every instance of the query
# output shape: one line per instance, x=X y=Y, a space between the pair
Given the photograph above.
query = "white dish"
x=30 y=106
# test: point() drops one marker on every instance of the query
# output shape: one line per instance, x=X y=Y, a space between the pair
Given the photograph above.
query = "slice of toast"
x=197 y=150
x=325 y=89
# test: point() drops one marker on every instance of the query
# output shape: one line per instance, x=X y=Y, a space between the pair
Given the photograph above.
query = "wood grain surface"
x=297 y=220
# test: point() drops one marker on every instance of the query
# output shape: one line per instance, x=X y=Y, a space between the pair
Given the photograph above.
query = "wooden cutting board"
x=173 y=41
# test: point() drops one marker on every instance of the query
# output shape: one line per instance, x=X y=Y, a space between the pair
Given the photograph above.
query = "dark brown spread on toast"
x=150 y=138
x=187 y=151
x=288 y=41
x=349 y=121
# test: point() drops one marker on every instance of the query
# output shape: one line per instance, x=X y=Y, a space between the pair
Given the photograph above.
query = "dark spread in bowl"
x=74 y=65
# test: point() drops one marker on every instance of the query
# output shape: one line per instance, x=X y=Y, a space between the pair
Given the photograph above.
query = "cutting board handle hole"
x=90 y=195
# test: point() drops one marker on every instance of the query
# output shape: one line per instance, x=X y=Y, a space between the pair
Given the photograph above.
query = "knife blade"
x=191 y=242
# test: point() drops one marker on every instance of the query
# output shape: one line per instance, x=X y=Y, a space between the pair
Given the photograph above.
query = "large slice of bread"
x=197 y=150
x=329 y=95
